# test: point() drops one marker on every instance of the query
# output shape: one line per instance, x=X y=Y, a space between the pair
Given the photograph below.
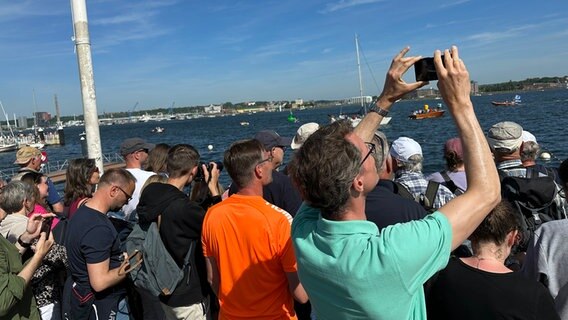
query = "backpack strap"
x=450 y=184
x=430 y=194
x=403 y=191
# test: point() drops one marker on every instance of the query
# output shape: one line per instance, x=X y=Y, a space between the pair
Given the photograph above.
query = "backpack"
x=426 y=199
x=158 y=272
x=450 y=184
x=535 y=199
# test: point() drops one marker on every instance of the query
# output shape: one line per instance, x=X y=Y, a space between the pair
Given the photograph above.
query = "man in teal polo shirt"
x=348 y=268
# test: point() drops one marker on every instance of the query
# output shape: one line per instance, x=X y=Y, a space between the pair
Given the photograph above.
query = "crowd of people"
x=351 y=228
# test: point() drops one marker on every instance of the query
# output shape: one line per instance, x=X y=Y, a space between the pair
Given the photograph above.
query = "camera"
x=200 y=176
x=425 y=70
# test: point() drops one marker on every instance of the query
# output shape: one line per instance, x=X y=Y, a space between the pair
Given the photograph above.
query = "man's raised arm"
x=393 y=90
x=467 y=211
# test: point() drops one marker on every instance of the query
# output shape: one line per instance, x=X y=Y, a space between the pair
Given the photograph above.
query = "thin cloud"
x=453 y=4
x=343 y=4
x=497 y=36
x=126 y=18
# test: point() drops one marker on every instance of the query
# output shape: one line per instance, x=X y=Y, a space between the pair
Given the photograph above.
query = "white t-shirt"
x=141 y=177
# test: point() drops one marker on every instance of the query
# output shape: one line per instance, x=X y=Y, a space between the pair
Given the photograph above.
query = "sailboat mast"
x=359 y=69
x=35 y=108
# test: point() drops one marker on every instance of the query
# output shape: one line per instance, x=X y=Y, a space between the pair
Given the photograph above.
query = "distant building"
x=42 y=118
x=357 y=100
x=213 y=109
x=251 y=103
x=299 y=102
x=427 y=93
x=474 y=88
x=22 y=122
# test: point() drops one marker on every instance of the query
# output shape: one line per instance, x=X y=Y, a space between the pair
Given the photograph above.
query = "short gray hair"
x=414 y=163
x=530 y=151
x=12 y=196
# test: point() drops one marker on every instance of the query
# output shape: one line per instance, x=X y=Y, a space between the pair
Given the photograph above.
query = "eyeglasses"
x=372 y=149
x=128 y=196
x=383 y=151
x=269 y=159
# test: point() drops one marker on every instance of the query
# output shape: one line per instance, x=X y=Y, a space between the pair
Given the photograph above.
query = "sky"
x=179 y=53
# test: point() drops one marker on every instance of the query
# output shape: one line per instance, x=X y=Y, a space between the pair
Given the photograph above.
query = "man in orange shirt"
x=246 y=243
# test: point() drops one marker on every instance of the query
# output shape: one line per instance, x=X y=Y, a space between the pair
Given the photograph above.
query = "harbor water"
x=541 y=113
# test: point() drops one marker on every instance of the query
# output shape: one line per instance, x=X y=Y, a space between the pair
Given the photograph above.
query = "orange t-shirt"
x=250 y=241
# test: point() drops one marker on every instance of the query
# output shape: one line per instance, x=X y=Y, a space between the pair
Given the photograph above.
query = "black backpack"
x=426 y=199
x=450 y=184
x=534 y=198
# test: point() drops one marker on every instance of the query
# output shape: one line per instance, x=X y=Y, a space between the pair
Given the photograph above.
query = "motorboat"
x=158 y=130
x=427 y=113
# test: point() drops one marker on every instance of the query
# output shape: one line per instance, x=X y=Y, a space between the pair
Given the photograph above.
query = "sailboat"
x=356 y=118
x=7 y=143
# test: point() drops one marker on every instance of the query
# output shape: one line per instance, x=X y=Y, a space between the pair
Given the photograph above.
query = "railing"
x=59 y=165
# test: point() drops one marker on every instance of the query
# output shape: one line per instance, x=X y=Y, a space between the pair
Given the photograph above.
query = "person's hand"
x=43 y=245
x=125 y=267
x=453 y=79
x=395 y=87
x=213 y=182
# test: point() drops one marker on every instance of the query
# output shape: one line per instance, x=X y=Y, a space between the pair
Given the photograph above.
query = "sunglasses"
x=128 y=196
x=269 y=159
x=372 y=149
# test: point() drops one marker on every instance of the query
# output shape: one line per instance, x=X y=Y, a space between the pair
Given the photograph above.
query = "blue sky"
x=202 y=52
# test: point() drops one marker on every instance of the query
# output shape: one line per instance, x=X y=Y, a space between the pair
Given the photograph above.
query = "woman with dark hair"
x=453 y=177
x=39 y=183
x=481 y=286
x=157 y=159
x=82 y=176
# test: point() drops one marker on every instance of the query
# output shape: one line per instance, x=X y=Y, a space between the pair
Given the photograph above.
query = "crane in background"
x=132 y=110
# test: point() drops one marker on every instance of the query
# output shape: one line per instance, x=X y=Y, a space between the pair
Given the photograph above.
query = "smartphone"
x=425 y=70
x=46 y=226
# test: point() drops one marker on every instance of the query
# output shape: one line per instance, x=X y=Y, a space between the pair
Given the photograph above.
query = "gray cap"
x=505 y=135
x=131 y=145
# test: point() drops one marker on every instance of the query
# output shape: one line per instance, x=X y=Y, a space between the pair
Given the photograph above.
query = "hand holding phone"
x=425 y=70
x=46 y=226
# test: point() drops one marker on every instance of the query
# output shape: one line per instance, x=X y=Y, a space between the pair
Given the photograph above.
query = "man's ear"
x=357 y=184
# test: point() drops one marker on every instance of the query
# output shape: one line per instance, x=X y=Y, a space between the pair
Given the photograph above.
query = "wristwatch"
x=22 y=243
x=382 y=112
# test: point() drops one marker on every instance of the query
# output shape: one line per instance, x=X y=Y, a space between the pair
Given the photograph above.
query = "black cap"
x=131 y=145
x=271 y=139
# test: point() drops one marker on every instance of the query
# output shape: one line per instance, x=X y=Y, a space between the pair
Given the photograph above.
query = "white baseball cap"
x=403 y=148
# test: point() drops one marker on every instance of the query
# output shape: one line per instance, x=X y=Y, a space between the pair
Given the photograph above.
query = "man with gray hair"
x=407 y=157
x=348 y=268
x=505 y=140
x=384 y=206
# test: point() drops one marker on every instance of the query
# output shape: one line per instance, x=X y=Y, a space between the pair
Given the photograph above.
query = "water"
x=542 y=113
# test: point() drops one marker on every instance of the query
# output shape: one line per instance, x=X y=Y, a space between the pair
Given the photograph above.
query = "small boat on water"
x=244 y=123
x=427 y=113
x=515 y=101
x=158 y=130
x=8 y=147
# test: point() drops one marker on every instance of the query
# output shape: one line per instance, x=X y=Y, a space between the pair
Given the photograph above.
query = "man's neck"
x=355 y=209
x=179 y=182
x=254 y=188
x=130 y=164
x=98 y=205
